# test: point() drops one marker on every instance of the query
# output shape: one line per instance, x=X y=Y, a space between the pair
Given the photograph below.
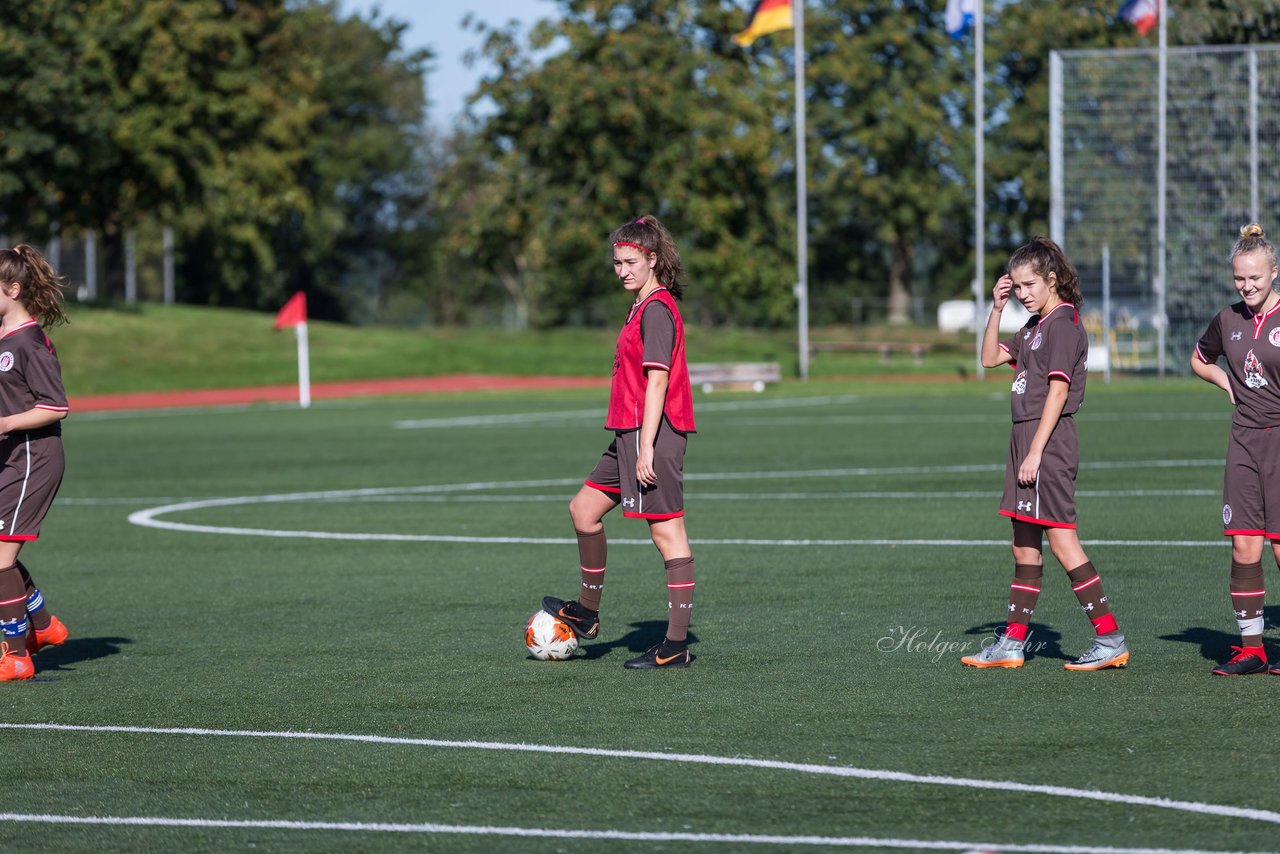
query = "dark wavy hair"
x=41 y=292
x=1044 y=256
x=650 y=234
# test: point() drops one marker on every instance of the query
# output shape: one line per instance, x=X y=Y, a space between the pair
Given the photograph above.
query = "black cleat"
x=665 y=654
x=585 y=623
x=1246 y=661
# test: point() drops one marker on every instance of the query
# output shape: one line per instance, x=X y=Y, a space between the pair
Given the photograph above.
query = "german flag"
x=768 y=16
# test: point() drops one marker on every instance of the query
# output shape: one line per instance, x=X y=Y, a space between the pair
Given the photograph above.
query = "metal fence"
x=1222 y=143
x=141 y=268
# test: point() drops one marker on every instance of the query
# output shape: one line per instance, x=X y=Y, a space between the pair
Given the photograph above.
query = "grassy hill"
x=150 y=347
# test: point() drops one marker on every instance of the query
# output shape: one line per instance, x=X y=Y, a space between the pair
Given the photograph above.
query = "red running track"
x=325 y=391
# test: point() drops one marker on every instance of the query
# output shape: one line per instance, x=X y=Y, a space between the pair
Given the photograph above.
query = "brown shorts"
x=29 y=480
x=1051 y=500
x=1251 y=484
x=615 y=474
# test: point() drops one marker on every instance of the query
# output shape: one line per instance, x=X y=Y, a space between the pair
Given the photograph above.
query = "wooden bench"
x=738 y=376
x=884 y=348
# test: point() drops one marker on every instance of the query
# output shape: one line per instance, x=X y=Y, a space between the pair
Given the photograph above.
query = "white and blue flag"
x=959 y=17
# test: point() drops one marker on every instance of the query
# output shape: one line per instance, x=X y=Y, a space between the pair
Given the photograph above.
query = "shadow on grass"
x=643 y=635
x=75 y=650
x=1042 y=641
x=1215 y=644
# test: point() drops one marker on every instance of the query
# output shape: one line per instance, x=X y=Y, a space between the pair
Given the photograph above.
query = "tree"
x=124 y=109
x=363 y=162
x=885 y=177
x=648 y=107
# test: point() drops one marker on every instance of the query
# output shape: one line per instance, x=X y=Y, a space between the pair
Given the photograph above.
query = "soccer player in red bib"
x=1049 y=358
x=651 y=416
x=32 y=403
x=1247 y=336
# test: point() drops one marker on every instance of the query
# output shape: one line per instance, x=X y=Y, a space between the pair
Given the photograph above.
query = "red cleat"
x=52 y=635
x=13 y=666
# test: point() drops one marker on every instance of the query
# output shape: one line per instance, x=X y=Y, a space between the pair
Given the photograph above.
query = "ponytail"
x=41 y=292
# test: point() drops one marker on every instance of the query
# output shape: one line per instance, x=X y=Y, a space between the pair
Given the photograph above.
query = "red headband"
x=636 y=245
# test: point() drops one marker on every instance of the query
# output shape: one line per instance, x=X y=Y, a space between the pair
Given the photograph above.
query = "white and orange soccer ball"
x=549 y=638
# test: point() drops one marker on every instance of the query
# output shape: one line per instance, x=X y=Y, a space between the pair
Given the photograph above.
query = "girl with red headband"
x=651 y=416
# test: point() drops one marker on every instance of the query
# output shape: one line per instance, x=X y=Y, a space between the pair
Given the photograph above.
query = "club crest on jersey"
x=1226 y=514
x=1253 y=377
x=1274 y=337
x=6 y=360
x=1020 y=384
x=1035 y=342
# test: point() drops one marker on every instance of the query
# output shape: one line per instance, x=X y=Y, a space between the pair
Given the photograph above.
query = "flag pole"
x=979 y=185
x=304 y=366
x=802 y=202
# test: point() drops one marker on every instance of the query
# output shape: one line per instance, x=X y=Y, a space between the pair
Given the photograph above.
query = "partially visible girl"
x=32 y=405
x=1247 y=335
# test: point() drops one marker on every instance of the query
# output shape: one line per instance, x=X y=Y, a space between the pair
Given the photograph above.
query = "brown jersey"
x=1251 y=344
x=1049 y=347
x=30 y=376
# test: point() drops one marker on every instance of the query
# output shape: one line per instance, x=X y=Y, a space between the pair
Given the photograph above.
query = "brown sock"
x=679 y=598
x=1087 y=585
x=593 y=551
x=1247 y=593
x=40 y=617
x=13 y=610
x=1024 y=590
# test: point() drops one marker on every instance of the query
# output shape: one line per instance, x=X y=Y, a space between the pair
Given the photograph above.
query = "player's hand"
x=644 y=468
x=1000 y=293
x=1029 y=470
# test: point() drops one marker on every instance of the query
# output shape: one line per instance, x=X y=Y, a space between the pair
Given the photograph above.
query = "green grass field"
x=147 y=347
x=364 y=569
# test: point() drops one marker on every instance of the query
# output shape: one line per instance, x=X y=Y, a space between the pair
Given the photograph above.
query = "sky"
x=437 y=24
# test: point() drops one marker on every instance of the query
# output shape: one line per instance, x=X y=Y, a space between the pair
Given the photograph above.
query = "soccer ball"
x=549 y=638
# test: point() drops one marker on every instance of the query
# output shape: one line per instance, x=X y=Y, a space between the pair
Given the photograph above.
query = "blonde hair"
x=1253 y=239
x=41 y=292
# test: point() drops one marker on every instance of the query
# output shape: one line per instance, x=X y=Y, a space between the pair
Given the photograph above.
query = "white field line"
x=852 y=495
x=843 y=771
x=598 y=413
x=150 y=517
x=699 y=495
x=609 y=835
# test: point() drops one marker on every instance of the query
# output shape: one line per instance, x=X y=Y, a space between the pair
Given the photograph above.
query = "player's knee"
x=584 y=515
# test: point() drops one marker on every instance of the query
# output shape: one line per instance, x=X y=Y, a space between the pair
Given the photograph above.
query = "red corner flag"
x=293 y=312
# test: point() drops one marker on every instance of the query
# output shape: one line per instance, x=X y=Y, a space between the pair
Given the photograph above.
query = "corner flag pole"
x=304 y=366
x=294 y=313
x=802 y=202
